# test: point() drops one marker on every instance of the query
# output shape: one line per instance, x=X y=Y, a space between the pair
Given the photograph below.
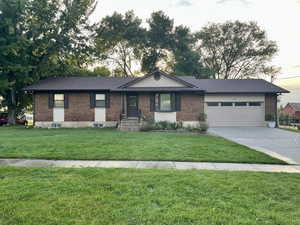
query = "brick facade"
x=42 y=112
x=79 y=108
x=144 y=106
x=115 y=109
x=270 y=104
x=192 y=105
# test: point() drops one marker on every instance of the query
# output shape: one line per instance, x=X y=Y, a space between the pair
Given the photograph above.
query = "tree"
x=159 y=40
x=171 y=47
x=119 y=41
x=235 y=49
x=37 y=36
x=186 y=60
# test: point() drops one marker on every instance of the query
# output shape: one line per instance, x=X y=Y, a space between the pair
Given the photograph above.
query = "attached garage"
x=235 y=110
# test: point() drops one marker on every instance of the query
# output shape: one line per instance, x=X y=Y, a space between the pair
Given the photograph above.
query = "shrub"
x=203 y=127
x=147 y=127
x=202 y=117
x=162 y=125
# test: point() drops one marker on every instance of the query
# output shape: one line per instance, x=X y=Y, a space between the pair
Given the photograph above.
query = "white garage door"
x=235 y=111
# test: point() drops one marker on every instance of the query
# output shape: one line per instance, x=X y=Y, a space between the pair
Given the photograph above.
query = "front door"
x=132 y=105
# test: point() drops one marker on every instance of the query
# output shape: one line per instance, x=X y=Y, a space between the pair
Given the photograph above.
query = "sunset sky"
x=280 y=18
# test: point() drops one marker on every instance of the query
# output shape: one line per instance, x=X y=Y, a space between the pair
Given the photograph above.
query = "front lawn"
x=144 y=196
x=115 y=145
x=293 y=129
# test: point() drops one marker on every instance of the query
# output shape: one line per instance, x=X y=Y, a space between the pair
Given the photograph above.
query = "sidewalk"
x=151 y=164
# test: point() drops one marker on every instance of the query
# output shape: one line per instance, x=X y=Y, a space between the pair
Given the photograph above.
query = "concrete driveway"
x=275 y=142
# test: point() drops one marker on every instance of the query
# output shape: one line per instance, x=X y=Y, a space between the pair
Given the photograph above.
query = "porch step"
x=129 y=125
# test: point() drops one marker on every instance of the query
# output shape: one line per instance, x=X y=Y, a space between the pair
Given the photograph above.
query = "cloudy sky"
x=280 y=18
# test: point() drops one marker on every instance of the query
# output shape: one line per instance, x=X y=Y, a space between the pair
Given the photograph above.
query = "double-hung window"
x=59 y=100
x=100 y=100
x=165 y=101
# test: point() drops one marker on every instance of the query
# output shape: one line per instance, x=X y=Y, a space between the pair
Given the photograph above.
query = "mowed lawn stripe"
x=108 y=144
x=146 y=196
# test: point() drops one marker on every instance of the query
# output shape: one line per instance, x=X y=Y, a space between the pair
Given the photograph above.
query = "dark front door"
x=132 y=105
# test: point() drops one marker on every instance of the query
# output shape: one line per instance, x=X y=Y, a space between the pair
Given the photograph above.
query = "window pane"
x=100 y=103
x=226 y=103
x=59 y=97
x=165 y=102
x=132 y=101
x=254 y=104
x=59 y=103
x=212 y=104
x=241 y=104
x=100 y=96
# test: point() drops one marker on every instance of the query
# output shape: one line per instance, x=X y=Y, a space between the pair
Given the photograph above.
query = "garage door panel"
x=235 y=116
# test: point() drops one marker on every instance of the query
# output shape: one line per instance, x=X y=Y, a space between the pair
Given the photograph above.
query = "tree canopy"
x=37 y=37
x=235 y=49
x=129 y=48
x=50 y=38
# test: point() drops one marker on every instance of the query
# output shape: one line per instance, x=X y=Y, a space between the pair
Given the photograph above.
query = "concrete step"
x=129 y=125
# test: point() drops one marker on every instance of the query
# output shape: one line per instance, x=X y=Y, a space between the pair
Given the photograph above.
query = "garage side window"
x=254 y=103
x=212 y=104
x=226 y=103
x=240 y=104
x=59 y=100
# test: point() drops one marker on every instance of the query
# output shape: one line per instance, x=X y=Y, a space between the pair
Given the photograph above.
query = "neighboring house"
x=84 y=101
x=292 y=109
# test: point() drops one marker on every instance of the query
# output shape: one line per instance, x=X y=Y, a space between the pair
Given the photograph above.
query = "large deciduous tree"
x=36 y=38
x=129 y=48
x=235 y=49
x=159 y=40
x=118 y=42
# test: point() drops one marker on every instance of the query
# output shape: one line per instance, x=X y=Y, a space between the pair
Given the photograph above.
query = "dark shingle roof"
x=234 y=86
x=295 y=106
x=114 y=83
x=78 y=83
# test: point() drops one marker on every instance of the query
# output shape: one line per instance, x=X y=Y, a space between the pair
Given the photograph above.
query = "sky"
x=280 y=18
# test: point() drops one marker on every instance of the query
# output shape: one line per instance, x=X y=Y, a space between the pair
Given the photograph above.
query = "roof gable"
x=295 y=106
x=158 y=79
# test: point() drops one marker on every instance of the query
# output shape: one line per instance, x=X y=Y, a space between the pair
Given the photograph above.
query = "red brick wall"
x=191 y=107
x=144 y=106
x=41 y=108
x=297 y=114
x=115 y=109
x=79 y=108
x=270 y=104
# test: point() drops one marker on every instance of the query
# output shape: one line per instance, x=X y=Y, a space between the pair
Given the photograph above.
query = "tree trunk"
x=12 y=107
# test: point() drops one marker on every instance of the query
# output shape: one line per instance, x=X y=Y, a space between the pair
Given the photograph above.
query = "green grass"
x=291 y=129
x=155 y=197
x=116 y=145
